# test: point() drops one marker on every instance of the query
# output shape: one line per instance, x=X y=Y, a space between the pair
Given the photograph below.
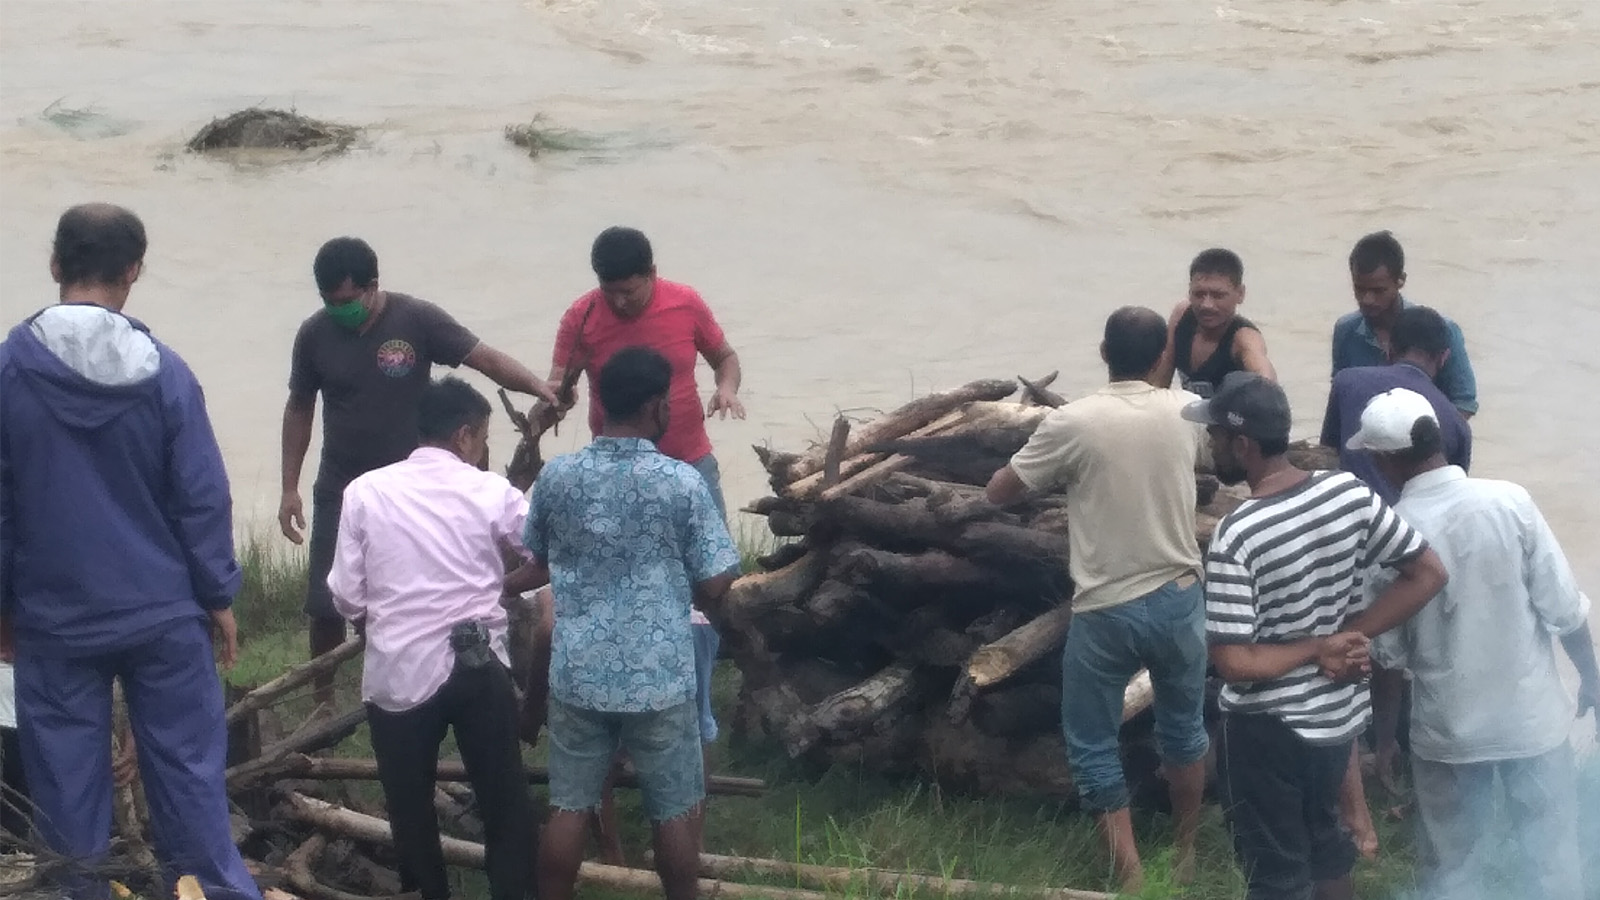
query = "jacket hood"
x=88 y=364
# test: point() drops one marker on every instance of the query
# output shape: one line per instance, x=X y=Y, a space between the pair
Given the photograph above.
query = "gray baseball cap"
x=1247 y=404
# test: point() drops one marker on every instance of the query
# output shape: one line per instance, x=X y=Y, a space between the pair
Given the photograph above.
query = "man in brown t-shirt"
x=369 y=352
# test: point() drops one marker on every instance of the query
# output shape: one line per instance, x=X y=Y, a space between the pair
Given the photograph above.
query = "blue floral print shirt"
x=626 y=531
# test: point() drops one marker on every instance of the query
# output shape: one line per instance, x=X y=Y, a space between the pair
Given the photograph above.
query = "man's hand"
x=292 y=516
x=1345 y=656
x=724 y=401
x=1589 y=701
x=225 y=638
x=545 y=416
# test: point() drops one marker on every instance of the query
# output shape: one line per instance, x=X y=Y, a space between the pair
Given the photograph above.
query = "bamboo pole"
x=314 y=768
x=294 y=677
x=881 y=882
x=372 y=830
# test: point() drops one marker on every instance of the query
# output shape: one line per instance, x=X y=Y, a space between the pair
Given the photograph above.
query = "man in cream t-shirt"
x=1126 y=459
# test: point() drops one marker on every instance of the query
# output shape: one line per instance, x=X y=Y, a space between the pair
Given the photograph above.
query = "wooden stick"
x=1139 y=695
x=315 y=768
x=836 y=444
x=274 y=758
x=294 y=677
x=852 y=462
x=297 y=869
x=882 y=882
x=998 y=660
x=373 y=830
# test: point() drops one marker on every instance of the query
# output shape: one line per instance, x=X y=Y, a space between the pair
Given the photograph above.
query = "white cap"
x=1387 y=421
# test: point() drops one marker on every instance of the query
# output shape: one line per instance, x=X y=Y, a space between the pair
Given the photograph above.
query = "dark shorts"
x=1280 y=795
x=324 y=540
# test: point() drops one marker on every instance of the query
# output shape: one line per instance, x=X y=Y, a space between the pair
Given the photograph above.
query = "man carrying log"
x=116 y=563
x=631 y=538
x=1361 y=338
x=369 y=353
x=1127 y=461
x=419 y=564
x=1206 y=336
x=1288 y=633
x=1489 y=699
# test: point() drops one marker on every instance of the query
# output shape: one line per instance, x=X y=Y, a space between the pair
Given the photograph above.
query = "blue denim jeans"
x=663 y=744
x=1163 y=631
x=1460 y=834
x=706 y=644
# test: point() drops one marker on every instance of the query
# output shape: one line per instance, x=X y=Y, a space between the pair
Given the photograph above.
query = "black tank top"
x=1221 y=361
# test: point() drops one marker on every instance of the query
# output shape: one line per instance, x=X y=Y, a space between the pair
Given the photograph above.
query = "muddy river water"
x=878 y=197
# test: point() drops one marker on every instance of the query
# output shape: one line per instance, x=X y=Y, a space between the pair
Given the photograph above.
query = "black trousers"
x=481 y=706
x=13 y=791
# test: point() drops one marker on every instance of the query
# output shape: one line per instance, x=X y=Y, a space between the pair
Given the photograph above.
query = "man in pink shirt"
x=419 y=560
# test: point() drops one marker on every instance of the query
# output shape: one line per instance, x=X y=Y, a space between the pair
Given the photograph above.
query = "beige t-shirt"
x=1127 y=459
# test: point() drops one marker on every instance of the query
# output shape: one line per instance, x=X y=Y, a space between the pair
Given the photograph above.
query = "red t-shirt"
x=678 y=325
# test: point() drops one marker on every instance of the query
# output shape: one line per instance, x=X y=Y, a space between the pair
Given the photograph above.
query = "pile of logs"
x=904 y=623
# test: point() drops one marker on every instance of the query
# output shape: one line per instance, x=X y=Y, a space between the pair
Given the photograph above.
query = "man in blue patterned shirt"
x=632 y=538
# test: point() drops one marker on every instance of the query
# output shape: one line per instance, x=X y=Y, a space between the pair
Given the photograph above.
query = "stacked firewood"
x=906 y=624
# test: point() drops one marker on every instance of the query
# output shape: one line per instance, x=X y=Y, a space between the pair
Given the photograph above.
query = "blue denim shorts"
x=1163 y=631
x=706 y=644
x=663 y=744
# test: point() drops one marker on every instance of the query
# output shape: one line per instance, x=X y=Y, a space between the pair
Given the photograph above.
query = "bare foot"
x=1183 y=866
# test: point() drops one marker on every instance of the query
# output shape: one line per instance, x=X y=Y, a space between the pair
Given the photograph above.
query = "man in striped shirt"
x=1284 y=576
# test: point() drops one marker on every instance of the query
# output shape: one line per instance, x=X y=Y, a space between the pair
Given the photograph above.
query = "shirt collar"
x=624 y=445
x=1128 y=387
x=1365 y=330
x=435 y=454
x=1428 y=481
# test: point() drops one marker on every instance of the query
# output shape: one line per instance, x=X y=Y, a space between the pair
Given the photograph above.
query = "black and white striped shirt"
x=1288 y=567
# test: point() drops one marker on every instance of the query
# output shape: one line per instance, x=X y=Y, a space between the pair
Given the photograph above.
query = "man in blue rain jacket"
x=116 y=562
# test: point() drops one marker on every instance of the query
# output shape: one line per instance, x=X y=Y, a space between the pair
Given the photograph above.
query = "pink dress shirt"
x=419 y=551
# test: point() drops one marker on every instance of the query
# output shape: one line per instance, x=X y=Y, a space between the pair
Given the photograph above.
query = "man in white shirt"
x=13 y=792
x=1488 y=701
x=419 y=561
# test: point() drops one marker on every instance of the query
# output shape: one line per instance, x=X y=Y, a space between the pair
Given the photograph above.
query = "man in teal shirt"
x=1361 y=338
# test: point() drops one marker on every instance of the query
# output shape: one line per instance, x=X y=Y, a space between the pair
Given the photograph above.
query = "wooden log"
x=1020 y=710
x=782 y=555
x=836 y=445
x=911 y=574
x=372 y=830
x=851 y=467
x=835 y=601
x=294 y=677
x=997 y=542
x=851 y=710
x=880 y=882
x=321 y=768
x=1038 y=392
x=310 y=739
x=297 y=869
x=1139 y=696
x=998 y=660
x=752 y=595
x=906 y=419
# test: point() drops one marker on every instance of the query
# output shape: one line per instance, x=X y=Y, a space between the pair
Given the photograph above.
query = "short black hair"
x=632 y=377
x=620 y=253
x=345 y=257
x=1426 y=440
x=447 y=405
x=1419 y=328
x=1378 y=250
x=1134 y=339
x=96 y=243
x=1218 y=261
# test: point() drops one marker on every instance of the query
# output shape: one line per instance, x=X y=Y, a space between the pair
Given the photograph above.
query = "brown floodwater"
x=878 y=197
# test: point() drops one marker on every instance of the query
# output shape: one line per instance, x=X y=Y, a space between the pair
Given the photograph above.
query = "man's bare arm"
x=1420 y=579
x=298 y=416
x=1167 y=365
x=729 y=375
x=1005 y=487
x=507 y=372
x=1336 y=655
x=1251 y=352
x=710 y=591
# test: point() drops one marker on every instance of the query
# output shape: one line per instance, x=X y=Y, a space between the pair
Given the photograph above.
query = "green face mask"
x=350 y=314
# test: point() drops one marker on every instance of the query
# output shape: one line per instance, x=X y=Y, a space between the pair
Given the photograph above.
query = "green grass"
x=850 y=818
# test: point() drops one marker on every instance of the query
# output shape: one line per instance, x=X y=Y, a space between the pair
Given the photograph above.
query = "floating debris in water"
x=537 y=137
x=273 y=129
x=84 y=123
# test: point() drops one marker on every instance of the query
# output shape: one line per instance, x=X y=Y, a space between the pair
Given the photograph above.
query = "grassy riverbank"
x=853 y=819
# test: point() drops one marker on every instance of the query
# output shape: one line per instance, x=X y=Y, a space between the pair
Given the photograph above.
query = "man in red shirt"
x=633 y=307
